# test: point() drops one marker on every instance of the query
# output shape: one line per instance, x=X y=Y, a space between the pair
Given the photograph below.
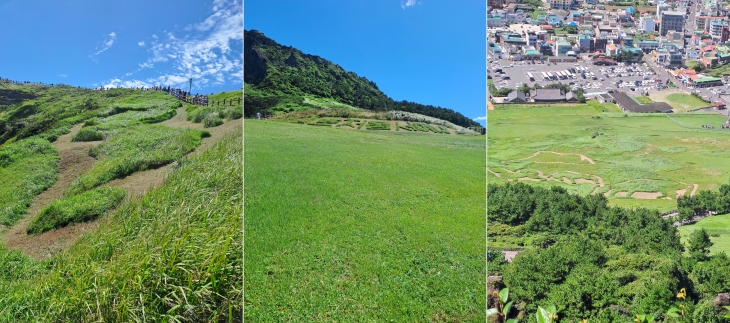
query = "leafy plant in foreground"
x=503 y=307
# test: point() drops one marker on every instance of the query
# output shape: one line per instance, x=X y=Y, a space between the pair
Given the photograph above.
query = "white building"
x=647 y=24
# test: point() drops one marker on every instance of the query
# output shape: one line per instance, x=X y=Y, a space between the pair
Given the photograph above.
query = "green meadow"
x=363 y=226
x=636 y=160
x=718 y=227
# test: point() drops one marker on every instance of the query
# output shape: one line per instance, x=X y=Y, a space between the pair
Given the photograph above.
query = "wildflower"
x=682 y=293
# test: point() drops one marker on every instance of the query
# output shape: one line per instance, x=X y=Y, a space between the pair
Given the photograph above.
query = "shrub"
x=212 y=121
x=88 y=134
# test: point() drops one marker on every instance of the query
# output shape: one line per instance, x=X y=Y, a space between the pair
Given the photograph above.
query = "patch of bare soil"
x=621 y=194
x=74 y=161
x=495 y=174
x=646 y=195
x=567 y=180
x=607 y=194
x=582 y=157
x=681 y=192
x=694 y=189
x=528 y=179
x=511 y=172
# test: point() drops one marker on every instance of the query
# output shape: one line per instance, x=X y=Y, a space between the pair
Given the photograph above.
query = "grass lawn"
x=682 y=102
x=718 y=227
x=356 y=226
x=639 y=153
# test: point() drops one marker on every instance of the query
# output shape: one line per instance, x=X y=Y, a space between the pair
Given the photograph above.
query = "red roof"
x=719 y=104
x=546 y=27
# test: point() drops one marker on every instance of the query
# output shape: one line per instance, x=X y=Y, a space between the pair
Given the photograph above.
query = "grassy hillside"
x=593 y=149
x=171 y=254
x=174 y=255
x=356 y=226
x=275 y=74
x=29 y=109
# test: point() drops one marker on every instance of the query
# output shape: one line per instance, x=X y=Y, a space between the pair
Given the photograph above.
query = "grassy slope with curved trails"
x=174 y=254
x=50 y=111
x=363 y=225
x=134 y=149
x=638 y=153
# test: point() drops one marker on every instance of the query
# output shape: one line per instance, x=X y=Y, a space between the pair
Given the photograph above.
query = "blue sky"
x=425 y=51
x=126 y=43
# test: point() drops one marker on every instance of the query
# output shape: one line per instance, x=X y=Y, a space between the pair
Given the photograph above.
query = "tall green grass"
x=134 y=149
x=363 y=226
x=76 y=209
x=175 y=255
x=27 y=168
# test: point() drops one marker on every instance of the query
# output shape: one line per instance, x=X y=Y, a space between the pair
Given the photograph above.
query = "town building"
x=671 y=20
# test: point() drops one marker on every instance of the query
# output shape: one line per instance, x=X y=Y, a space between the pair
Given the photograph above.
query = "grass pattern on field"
x=636 y=153
x=27 y=168
x=174 y=255
x=134 y=149
x=356 y=226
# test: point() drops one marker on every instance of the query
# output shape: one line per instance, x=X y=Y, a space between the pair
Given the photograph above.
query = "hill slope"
x=274 y=73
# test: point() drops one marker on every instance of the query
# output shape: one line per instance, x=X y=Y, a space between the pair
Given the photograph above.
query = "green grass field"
x=362 y=226
x=639 y=153
x=683 y=102
x=718 y=227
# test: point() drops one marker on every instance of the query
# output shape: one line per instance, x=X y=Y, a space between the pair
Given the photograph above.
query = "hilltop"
x=281 y=78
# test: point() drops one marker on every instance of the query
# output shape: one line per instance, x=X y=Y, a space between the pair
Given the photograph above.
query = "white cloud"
x=210 y=52
x=62 y=75
x=409 y=3
x=107 y=44
x=141 y=43
x=480 y=118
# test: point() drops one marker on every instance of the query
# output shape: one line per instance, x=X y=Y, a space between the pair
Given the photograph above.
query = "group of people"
x=197 y=99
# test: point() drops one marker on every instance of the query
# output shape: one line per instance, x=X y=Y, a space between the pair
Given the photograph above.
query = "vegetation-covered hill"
x=167 y=254
x=279 y=78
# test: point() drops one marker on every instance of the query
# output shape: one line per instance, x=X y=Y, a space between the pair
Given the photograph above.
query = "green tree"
x=699 y=245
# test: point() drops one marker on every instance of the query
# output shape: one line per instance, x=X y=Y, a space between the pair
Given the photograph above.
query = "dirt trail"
x=493 y=173
x=694 y=189
x=582 y=157
x=75 y=161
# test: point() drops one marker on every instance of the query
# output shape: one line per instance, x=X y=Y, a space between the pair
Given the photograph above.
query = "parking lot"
x=585 y=75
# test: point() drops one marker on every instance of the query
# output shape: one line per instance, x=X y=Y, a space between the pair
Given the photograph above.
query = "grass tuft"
x=76 y=209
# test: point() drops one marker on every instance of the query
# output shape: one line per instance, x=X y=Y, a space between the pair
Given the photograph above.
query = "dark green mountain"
x=274 y=73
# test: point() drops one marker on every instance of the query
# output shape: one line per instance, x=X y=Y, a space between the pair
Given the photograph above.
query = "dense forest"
x=274 y=74
x=600 y=263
